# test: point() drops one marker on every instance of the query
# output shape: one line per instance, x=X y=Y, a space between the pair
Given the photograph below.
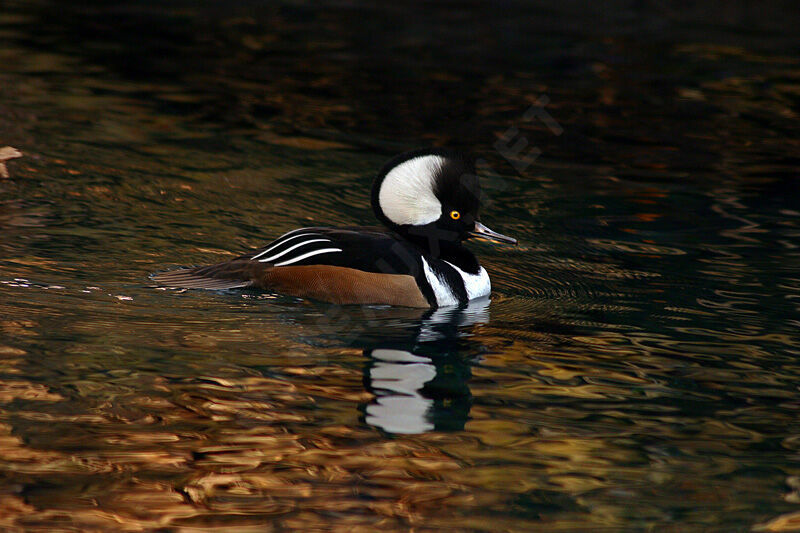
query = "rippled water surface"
x=636 y=369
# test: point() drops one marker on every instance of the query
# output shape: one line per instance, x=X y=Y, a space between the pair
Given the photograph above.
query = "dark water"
x=637 y=367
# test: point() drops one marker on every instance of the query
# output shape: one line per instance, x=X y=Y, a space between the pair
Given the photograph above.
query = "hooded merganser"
x=429 y=201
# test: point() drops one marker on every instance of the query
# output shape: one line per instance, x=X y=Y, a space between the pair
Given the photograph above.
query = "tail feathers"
x=230 y=275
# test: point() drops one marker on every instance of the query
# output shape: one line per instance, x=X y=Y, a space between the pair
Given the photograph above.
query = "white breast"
x=477 y=285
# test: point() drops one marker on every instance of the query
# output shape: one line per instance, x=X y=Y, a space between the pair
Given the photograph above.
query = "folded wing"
x=320 y=263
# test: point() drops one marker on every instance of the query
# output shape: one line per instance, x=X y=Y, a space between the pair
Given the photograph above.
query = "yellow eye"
x=455 y=215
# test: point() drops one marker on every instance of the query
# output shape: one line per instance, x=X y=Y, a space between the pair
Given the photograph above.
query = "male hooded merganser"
x=428 y=200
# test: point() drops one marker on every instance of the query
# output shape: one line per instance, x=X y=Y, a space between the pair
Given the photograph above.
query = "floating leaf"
x=6 y=153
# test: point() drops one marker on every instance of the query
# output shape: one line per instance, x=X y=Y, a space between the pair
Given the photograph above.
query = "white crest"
x=406 y=195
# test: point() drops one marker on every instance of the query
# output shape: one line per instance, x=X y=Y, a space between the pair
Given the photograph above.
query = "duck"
x=428 y=202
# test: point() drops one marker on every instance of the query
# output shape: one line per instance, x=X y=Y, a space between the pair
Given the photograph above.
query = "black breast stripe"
x=451 y=277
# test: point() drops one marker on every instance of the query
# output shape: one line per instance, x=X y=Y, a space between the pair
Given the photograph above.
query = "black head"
x=431 y=197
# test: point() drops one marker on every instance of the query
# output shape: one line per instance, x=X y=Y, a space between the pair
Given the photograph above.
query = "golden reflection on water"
x=229 y=449
x=225 y=435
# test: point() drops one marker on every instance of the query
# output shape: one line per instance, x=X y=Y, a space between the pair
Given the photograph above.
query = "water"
x=635 y=370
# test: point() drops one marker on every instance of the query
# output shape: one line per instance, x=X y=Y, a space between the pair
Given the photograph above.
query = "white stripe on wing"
x=282 y=240
x=289 y=249
x=308 y=254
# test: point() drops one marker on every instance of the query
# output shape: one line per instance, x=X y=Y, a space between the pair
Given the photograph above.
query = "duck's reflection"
x=420 y=383
x=397 y=378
